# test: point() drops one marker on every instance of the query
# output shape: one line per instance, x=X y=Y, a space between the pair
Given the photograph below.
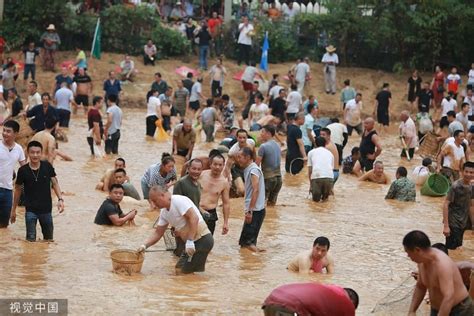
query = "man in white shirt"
x=352 y=113
x=195 y=96
x=302 y=74
x=63 y=99
x=181 y=213
x=452 y=157
x=339 y=136
x=245 y=41
x=290 y=11
x=34 y=98
x=10 y=154
x=294 y=103
x=257 y=111
x=320 y=171
x=463 y=117
x=330 y=60
x=408 y=133
x=469 y=99
x=448 y=104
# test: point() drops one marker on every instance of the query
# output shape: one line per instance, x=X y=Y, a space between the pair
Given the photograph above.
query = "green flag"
x=95 y=50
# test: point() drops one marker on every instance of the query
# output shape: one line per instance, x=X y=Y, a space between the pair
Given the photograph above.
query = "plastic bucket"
x=435 y=185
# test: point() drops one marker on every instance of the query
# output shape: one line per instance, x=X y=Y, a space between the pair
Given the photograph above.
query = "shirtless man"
x=108 y=177
x=206 y=164
x=47 y=140
x=326 y=134
x=314 y=260
x=376 y=175
x=215 y=185
x=439 y=275
x=231 y=168
x=83 y=88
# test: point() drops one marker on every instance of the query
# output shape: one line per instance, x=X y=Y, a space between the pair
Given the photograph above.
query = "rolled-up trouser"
x=151 y=125
x=112 y=142
x=196 y=263
x=46 y=223
x=300 y=86
x=272 y=188
x=250 y=231
x=209 y=131
x=321 y=188
x=330 y=78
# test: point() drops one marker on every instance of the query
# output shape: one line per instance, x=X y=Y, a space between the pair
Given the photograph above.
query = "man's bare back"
x=441 y=276
x=49 y=145
x=333 y=149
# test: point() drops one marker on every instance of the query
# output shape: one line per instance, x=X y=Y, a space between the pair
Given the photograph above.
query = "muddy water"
x=364 y=229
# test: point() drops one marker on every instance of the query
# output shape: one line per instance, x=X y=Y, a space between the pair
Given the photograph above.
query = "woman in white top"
x=153 y=113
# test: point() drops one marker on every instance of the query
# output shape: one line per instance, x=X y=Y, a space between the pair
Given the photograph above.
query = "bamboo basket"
x=430 y=146
x=127 y=261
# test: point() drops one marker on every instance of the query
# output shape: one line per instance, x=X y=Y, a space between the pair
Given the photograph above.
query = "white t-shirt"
x=420 y=174
x=290 y=13
x=174 y=216
x=450 y=141
x=258 y=111
x=244 y=37
x=275 y=91
x=63 y=98
x=195 y=91
x=236 y=148
x=448 y=106
x=301 y=70
x=463 y=119
x=458 y=153
x=8 y=160
x=249 y=74
x=330 y=58
x=294 y=100
x=409 y=130
x=322 y=161
x=337 y=132
x=353 y=112
x=152 y=105
x=34 y=99
x=470 y=76
x=470 y=101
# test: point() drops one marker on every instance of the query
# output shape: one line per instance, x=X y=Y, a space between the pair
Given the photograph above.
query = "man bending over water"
x=439 y=275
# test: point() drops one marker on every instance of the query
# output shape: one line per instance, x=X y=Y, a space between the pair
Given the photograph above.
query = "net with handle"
x=397 y=301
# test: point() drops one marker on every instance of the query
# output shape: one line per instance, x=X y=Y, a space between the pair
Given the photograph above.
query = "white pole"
x=227 y=11
x=1 y=9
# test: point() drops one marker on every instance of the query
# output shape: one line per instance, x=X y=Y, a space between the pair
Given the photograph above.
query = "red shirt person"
x=311 y=299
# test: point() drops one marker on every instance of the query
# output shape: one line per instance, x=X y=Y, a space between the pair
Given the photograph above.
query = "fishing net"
x=429 y=146
x=397 y=301
x=160 y=133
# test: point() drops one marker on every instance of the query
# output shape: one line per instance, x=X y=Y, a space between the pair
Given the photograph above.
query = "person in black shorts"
x=84 y=87
x=294 y=141
x=370 y=147
x=382 y=105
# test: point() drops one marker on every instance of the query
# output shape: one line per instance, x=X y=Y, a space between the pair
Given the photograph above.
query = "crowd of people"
x=247 y=162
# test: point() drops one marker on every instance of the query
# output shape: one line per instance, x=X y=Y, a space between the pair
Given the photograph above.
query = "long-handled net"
x=397 y=301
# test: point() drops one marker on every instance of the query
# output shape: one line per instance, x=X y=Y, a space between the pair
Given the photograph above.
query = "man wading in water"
x=181 y=213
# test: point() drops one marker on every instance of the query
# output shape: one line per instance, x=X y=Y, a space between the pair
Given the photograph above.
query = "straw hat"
x=51 y=28
x=330 y=49
x=178 y=3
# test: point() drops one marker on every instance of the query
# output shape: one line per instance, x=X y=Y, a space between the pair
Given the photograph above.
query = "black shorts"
x=455 y=238
x=183 y=152
x=366 y=164
x=84 y=99
x=194 y=105
x=383 y=118
x=444 y=122
x=64 y=117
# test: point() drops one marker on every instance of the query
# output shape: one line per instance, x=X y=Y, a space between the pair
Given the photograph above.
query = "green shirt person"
x=402 y=189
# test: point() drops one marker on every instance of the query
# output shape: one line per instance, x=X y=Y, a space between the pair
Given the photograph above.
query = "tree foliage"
x=124 y=30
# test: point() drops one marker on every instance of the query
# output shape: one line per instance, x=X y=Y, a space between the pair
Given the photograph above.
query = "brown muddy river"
x=365 y=233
